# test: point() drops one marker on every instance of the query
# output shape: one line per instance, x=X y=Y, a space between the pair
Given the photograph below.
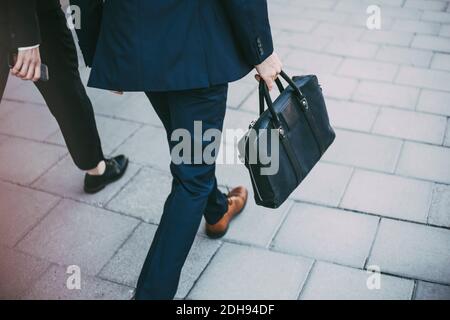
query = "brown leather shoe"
x=237 y=199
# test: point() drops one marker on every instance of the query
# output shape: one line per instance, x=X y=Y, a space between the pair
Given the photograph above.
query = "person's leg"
x=160 y=104
x=65 y=94
x=217 y=201
x=191 y=188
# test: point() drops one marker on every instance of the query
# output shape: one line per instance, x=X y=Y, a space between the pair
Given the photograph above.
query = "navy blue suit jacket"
x=165 y=45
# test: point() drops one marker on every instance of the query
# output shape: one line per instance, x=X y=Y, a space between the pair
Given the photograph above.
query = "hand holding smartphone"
x=12 y=58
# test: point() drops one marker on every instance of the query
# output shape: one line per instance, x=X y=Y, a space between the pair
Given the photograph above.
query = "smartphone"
x=44 y=69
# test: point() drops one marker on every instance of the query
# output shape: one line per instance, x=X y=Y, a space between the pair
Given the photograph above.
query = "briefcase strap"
x=303 y=103
x=281 y=89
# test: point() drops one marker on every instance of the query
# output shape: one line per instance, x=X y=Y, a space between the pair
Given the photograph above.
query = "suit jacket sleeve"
x=250 y=21
x=23 y=23
x=88 y=33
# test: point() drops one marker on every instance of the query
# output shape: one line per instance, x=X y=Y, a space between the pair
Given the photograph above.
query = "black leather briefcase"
x=298 y=120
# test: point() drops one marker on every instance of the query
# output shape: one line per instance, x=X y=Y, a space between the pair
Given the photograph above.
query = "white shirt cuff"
x=28 y=48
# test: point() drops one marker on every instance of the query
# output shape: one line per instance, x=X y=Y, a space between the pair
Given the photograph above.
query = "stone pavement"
x=380 y=197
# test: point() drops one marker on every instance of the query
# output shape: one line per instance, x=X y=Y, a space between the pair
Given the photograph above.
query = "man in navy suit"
x=182 y=54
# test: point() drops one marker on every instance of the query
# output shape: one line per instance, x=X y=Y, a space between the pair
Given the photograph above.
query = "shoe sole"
x=103 y=186
x=216 y=236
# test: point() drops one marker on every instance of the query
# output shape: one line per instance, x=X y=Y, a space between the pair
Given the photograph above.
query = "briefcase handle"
x=290 y=82
x=264 y=92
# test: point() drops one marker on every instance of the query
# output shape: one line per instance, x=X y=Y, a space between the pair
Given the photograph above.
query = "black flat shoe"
x=115 y=169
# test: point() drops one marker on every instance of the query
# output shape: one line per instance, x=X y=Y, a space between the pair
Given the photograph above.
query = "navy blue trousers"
x=194 y=189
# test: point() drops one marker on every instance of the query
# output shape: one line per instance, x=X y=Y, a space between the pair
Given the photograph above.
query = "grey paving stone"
x=78 y=234
x=440 y=206
x=445 y=30
x=416 y=26
x=130 y=106
x=431 y=42
x=396 y=11
x=29 y=121
x=409 y=125
x=426 y=5
x=311 y=62
x=434 y=102
x=349 y=48
x=18 y=272
x=200 y=255
x=144 y=196
x=237 y=120
x=386 y=94
x=388 y=195
x=3 y=138
x=11 y=84
x=412 y=250
x=447 y=135
x=364 y=150
x=353 y=6
x=441 y=61
x=251 y=104
x=396 y=38
x=338 y=87
x=432 y=291
x=319 y=4
x=443 y=17
x=333 y=282
x=351 y=115
x=26 y=92
x=282 y=22
x=366 y=69
x=66 y=180
x=430 y=79
x=240 y=272
x=6 y=107
x=327 y=234
x=325 y=184
x=148 y=146
x=408 y=56
x=20 y=209
x=245 y=231
x=112 y=133
x=233 y=175
x=238 y=92
x=338 y=31
x=23 y=161
x=53 y=286
x=301 y=41
x=318 y=13
x=425 y=162
x=127 y=263
x=390 y=8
